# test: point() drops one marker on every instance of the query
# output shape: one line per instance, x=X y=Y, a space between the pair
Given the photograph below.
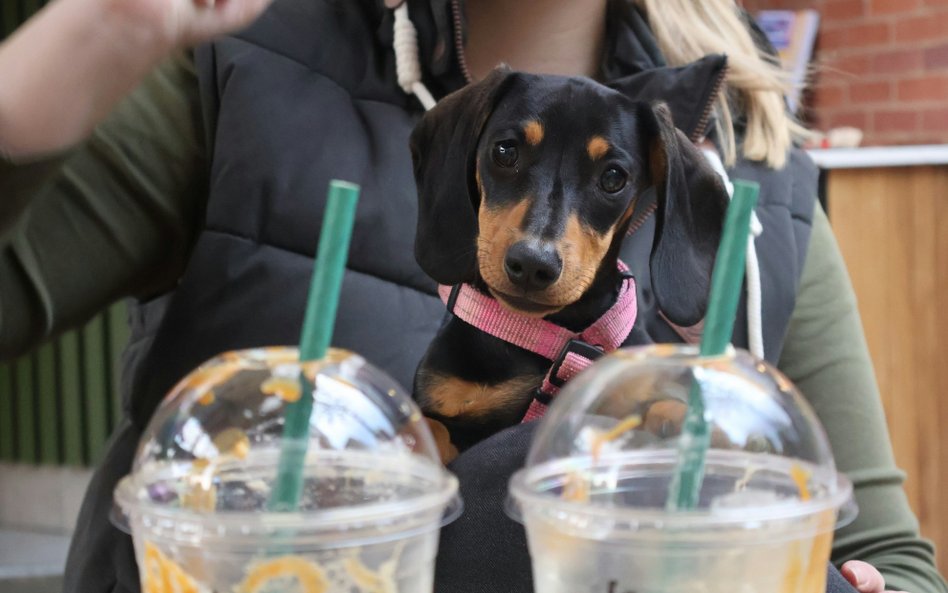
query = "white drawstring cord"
x=407 y=64
x=755 y=334
x=755 y=330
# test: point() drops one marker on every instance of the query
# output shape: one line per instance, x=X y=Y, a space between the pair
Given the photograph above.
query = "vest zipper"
x=702 y=127
x=459 y=40
x=696 y=136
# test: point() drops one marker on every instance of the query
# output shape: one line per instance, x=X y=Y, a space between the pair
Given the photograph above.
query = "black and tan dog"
x=527 y=185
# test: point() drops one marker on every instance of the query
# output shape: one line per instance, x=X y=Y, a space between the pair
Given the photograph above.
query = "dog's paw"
x=442 y=438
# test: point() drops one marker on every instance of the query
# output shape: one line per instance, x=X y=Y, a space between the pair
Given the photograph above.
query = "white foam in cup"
x=592 y=494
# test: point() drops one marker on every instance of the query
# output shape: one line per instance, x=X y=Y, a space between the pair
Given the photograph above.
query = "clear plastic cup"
x=374 y=491
x=593 y=492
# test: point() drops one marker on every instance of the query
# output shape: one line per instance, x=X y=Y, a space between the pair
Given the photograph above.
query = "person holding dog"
x=192 y=181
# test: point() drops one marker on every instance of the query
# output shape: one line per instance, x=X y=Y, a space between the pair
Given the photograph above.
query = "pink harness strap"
x=571 y=352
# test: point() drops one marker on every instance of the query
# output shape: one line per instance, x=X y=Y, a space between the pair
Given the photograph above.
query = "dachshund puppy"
x=527 y=185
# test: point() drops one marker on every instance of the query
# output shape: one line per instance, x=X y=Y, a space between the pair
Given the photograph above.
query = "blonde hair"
x=690 y=29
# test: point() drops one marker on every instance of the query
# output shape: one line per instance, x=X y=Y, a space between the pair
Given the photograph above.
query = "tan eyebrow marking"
x=596 y=147
x=533 y=130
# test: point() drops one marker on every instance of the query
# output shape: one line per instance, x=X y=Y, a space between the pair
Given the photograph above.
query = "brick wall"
x=882 y=66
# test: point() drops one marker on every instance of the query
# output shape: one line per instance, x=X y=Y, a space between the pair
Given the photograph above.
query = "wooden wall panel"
x=892 y=227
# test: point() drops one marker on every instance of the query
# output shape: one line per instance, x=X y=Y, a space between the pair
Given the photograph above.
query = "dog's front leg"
x=446 y=450
x=474 y=385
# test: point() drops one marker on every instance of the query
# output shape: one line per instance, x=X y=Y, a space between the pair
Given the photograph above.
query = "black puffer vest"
x=308 y=94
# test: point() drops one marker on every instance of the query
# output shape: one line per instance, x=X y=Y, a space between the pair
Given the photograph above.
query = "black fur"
x=452 y=149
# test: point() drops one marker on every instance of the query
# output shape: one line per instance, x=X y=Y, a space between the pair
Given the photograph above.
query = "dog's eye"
x=613 y=179
x=505 y=153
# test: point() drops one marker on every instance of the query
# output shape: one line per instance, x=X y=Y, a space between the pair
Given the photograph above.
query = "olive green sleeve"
x=112 y=217
x=827 y=357
x=19 y=183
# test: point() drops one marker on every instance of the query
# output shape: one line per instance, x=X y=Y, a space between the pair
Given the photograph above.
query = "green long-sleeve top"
x=116 y=216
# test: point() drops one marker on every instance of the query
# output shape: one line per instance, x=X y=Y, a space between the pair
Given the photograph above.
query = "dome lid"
x=609 y=442
x=211 y=450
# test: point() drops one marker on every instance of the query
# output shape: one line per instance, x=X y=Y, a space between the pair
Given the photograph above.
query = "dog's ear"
x=443 y=149
x=691 y=201
x=686 y=89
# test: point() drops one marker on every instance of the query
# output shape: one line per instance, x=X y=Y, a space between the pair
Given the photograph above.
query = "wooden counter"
x=889 y=210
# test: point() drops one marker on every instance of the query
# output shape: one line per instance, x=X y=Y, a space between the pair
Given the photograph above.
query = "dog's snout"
x=532 y=265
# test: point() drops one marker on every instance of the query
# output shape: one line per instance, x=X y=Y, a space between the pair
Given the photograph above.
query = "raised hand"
x=68 y=66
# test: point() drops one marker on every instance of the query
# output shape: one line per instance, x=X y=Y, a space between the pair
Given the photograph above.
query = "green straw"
x=316 y=336
x=726 y=283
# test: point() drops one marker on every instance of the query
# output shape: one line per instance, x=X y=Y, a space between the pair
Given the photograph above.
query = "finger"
x=246 y=11
x=222 y=16
x=863 y=576
x=230 y=13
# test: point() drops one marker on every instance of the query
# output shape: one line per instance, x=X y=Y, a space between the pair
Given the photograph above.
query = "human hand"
x=864 y=577
x=181 y=23
x=95 y=52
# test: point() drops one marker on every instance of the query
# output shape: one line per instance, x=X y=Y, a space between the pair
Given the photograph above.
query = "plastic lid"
x=211 y=448
x=608 y=444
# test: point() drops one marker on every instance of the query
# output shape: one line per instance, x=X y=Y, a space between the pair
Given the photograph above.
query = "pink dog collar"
x=570 y=352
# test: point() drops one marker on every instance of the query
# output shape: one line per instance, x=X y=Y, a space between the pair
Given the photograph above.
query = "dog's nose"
x=531 y=265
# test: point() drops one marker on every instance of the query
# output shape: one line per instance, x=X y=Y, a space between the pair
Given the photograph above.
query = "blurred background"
x=876 y=76
x=880 y=66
